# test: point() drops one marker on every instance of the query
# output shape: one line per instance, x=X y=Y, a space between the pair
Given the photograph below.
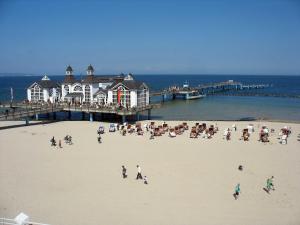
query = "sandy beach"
x=191 y=181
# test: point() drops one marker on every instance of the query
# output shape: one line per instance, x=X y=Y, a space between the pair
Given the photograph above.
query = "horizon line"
x=147 y=74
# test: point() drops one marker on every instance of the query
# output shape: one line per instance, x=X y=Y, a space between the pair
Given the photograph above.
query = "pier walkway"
x=206 y=89
x=17 y=111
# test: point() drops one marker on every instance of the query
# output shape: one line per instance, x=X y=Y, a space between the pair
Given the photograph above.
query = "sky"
x=259 y=37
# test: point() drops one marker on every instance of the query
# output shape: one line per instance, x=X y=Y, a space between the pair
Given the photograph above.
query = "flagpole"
x=11 y=94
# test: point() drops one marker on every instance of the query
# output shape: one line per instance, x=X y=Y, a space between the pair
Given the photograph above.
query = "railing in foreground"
x=6 y=221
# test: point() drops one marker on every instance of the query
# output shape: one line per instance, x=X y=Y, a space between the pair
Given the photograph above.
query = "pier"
x=205 y=89
x=26 y=111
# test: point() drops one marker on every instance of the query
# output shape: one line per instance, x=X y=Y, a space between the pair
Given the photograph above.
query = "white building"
x=44 y=90
x=122 y=90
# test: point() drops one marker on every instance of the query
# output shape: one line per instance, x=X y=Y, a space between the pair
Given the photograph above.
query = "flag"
x=119 y=96
x=11 y=94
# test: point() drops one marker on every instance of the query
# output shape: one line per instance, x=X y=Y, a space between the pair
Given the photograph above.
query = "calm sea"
x=209 y=108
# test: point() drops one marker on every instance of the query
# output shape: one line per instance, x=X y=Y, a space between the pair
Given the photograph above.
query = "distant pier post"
x=91 y=117
x=123 y=119
x=149 y=114
x=27 y=121
x=36 y=116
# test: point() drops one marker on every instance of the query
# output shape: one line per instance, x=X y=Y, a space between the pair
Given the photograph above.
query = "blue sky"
x=151 y=37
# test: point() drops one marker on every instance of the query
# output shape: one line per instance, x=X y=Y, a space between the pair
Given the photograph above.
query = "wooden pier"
x=26 y=111
x=206 y=89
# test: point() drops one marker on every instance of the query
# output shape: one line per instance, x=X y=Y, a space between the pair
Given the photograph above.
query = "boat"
x=188 y=93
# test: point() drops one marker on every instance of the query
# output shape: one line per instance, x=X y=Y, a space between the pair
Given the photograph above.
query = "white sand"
x=191 y=181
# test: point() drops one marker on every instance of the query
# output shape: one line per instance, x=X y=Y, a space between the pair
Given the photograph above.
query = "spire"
x=69 y=70
x=90 y=70
x=45 y=77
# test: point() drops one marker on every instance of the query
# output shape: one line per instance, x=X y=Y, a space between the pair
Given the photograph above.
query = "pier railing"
x=22 y=110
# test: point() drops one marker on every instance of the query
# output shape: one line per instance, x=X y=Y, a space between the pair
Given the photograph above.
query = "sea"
x=280 y=101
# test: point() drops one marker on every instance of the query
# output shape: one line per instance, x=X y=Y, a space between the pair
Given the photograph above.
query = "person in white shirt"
x=139 y=174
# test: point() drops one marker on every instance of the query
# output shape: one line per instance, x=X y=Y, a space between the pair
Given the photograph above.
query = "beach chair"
x=157 y=132
x=176 y=130
x=152 y=125
x=193 y=133
x=161 y=130
x=284 y=139
x=185 y=126
x=211 y=130
x=165 y=127
x=140 y=131
x=172 y=132
x=112 y=128
x=181 y=128
x=250 y=128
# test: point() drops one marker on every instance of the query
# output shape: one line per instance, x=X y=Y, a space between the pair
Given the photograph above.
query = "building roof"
x=90 y=67
x=100 y=90
x=46 y=84
x=102 y=78
x=70 y=79
x=72 y=95
x=69 y=68
x=130 y=84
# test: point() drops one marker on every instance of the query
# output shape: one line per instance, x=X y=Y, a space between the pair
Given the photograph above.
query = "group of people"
x=268 y=188
x=67 y=138
x=138 y=176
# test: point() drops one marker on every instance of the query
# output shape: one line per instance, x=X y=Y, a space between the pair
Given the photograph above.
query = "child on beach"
x=270 y=185
x=145 y=180
x=124 y=172
x=237 y=191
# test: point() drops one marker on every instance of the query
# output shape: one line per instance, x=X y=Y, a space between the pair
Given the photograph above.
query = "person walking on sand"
x=139 y=174
x=145 y=180
x=237 y=191
x=270 y=185
x=124 y=172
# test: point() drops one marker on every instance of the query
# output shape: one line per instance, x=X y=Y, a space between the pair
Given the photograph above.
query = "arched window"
x=78 y=88
x=37 y=93
x=66 y=87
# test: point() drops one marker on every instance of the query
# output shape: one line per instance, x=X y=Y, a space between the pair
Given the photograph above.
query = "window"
x=66 y=87
x=141 y=97
x=37 y=93
x=87 y=93
x=78 y=88
x=124 y=96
